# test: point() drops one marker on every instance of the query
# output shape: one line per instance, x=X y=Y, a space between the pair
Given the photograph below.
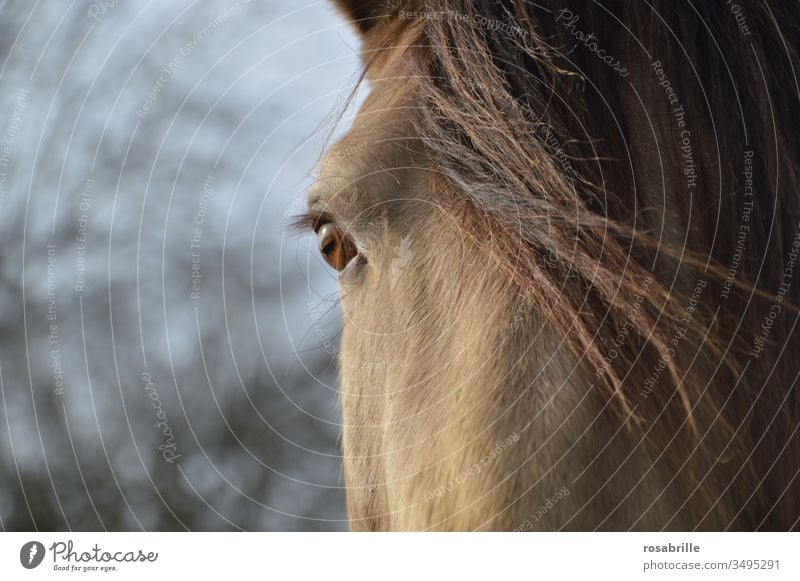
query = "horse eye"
x=337 y=250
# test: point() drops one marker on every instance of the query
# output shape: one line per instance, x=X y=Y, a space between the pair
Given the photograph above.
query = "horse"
x=566 y=238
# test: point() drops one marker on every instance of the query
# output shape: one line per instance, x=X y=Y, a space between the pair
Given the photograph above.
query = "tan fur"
x=457 y=352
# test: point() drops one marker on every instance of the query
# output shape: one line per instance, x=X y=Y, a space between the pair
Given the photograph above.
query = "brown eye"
x=336 y=249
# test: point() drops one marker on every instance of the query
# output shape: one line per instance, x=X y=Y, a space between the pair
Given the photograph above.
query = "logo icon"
x=402 y=256
x=31 y=554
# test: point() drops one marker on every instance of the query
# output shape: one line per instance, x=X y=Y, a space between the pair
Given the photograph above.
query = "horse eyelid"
x=309 y=220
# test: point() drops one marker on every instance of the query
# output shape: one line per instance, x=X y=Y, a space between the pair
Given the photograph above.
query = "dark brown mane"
x=629 y=220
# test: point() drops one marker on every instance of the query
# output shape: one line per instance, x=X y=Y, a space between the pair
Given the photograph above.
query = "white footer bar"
x=405 y=556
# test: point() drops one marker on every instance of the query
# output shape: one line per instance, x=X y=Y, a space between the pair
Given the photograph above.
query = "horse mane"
x=654 y=229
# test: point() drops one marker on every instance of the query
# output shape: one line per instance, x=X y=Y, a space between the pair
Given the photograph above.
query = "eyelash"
x=309 y=220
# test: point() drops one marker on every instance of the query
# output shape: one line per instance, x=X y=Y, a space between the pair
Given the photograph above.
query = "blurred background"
x=167 y=349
